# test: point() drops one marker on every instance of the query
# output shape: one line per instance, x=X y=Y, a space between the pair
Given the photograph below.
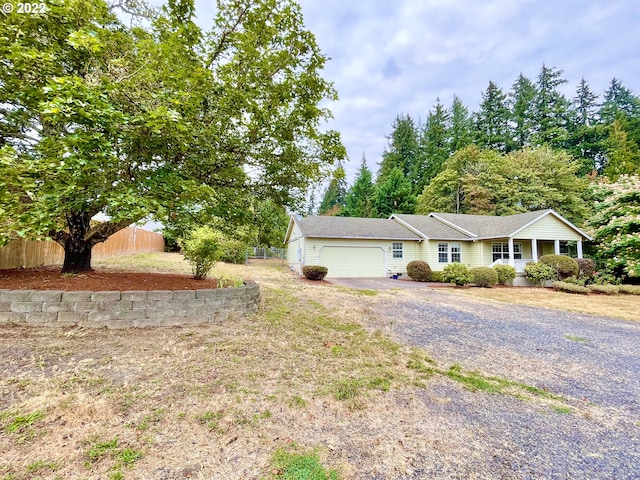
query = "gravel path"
x=589 y=360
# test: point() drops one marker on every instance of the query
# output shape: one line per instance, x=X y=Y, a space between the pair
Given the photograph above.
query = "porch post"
x=511 y=259
x=556 y=247
x=579 y=245
x=534 y=249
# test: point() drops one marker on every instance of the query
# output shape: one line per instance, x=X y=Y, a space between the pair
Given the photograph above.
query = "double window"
x=397 y=249
x=501 y=250
x=448 y=250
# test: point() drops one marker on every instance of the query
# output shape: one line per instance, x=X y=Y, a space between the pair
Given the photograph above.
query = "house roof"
x=429 y=227
x=436 y=226
x=472 y=227
x=350 y=227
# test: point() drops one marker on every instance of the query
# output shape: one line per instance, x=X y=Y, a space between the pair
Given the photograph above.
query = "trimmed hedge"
x=505 y=273
x=606 y=289
x=570 y=287
x=629 y=289
x=314 y=272
x=484 y=276
x=538 y=272
x=586 y=268
x=437 y=277
x=564 y=266
x=419 y=271
x=457 y=274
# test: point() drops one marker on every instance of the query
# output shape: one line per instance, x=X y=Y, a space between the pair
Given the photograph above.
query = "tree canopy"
x=99 y=117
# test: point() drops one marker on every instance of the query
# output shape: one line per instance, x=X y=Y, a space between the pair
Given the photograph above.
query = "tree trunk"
x=77 y=257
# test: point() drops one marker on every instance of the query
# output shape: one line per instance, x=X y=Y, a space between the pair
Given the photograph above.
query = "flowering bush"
x=616 y=226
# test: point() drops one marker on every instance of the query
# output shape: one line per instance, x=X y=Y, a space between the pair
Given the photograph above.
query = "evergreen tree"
x=551 y=109
x=622 y=153
x=619 y=100
x=334 y=196
x=394 y=195
x=434 y=147
x=521 y=98
x=586 y=137
x=360 y=197
x=403 y=148
x=460 y=126
x=492 y=121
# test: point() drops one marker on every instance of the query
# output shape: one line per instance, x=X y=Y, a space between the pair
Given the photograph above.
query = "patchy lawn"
x=619 y=306
x=305 y=383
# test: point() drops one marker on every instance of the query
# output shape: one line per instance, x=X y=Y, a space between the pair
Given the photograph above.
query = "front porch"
x=514 y=251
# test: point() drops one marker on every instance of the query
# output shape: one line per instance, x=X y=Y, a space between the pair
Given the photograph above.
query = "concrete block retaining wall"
x=55 y=308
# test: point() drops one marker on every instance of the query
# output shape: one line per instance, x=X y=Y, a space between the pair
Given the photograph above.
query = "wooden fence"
x=28 y=253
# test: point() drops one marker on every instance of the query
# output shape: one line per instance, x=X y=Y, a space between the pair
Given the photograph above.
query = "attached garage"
x=355 y=261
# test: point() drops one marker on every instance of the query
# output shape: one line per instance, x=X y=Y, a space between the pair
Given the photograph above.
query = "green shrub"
x=314 y=272
x=437 y=277
x=419 y=271
x=576 y=281
x=505 y=273
x=539 y=272
x=569 y=287
x=484 y=276
x=586 y=268
x=630 y=289
x=233 y=251
x=564 y=266
x=457 y=273
x=606 y=289
x=202 y=249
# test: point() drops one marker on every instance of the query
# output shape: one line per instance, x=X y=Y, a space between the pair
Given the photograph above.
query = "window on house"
x=443 y=253
x=501 y=250
x=564 y=248
x=397 y=248
x=455 y=252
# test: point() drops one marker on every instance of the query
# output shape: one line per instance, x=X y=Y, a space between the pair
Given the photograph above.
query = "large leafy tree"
x=360 y=196
x=488 y=183
x=97 y=117
x=616 y=226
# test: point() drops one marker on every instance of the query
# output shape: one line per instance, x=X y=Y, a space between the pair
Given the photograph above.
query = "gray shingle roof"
x=432 y=228
x=490 y=226
x=349 y=227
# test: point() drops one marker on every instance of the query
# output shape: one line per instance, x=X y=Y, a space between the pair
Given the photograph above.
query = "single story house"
x=381 y=247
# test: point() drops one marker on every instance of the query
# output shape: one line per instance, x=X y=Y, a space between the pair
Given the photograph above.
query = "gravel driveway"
x=590 y=361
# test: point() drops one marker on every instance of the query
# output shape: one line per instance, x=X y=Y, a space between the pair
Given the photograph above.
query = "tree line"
x=527 y=149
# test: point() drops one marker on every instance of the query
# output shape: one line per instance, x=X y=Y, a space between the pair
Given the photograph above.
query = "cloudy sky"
x=397 y=57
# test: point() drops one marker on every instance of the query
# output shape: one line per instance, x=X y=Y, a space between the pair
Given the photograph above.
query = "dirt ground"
x=50 y=278
x=314 y=370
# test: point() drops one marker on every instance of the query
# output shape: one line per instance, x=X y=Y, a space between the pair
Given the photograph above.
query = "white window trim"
x=394 y=249
x=450 y=253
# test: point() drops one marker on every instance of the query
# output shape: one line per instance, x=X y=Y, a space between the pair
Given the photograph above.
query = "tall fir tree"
x=619 y=100
x=434 y=147
x=402 y=149
x=333 y=199
x=622 y=153
x=460 y=126
x=361 y=195
x=551 y=109
x=585 y=142
x=394 y=195
x=492 y=120
x=521 y=98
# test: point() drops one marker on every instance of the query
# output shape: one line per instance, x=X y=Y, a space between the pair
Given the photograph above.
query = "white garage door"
x=353 y=261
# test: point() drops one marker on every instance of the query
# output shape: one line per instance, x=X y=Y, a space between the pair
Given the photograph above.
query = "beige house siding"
x=549 y=228
x=295 y=249
x=314 y=246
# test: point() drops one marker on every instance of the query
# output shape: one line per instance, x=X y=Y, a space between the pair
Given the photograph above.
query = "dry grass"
x=218 y=401
x=620 y=306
